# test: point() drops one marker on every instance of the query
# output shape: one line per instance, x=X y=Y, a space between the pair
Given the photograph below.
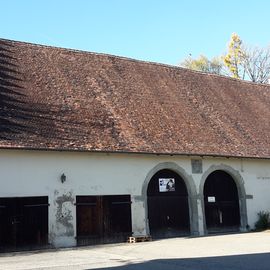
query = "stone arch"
x=191 y=190
x=240 y=184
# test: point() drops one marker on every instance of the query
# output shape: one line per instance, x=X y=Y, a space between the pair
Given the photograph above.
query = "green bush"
x=263 y=221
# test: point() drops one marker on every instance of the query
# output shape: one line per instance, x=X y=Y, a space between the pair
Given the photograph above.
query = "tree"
x=234 y=57
x=247 y=62
x=256 y=63
x=240 y=61
x=204 y=64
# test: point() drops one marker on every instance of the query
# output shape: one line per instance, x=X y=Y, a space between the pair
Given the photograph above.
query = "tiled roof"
x=61 y=99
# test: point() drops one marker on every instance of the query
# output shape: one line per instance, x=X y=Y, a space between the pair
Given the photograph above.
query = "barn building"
x=95 y=148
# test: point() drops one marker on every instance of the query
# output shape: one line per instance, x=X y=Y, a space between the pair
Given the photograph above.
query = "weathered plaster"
x=64 y=217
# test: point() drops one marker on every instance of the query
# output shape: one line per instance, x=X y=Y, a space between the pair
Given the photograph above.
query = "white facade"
x=37 y=173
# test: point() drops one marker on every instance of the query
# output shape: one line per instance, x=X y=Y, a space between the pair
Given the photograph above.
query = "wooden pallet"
x=136 y=239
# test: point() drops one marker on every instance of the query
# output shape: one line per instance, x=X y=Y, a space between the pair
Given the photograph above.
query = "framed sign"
x=166 y=184
x=196 y=165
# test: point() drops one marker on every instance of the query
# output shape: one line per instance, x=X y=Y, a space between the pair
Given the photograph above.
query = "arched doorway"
x=168 y=209
x=221 y=203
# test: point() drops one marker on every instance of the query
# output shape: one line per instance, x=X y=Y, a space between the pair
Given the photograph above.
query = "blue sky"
x=161 y=31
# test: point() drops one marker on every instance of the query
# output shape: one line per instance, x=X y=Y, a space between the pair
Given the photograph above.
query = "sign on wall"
x=211 y=199
x=166 y=184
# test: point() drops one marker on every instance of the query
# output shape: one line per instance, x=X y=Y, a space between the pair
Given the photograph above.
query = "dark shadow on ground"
x=237 y=262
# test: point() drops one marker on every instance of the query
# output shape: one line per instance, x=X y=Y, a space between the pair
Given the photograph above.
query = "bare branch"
x=256 y=62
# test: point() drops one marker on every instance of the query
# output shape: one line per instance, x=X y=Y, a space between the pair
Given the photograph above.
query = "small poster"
x=211 y=199
x=166 y=184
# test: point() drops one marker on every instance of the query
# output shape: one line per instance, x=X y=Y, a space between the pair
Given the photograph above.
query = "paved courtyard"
x=237 y=251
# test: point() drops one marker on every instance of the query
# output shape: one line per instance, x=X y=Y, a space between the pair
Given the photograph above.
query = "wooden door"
x=168 y=210
x=23 y=223
x=102 y=219
x=221 y=202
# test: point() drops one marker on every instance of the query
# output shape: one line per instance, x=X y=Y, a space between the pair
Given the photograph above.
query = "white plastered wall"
x=37 y=173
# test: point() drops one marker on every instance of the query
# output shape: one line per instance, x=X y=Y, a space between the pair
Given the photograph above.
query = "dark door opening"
x=23 y=223
x=221 y=203
x=168 y=209
x=103 y=219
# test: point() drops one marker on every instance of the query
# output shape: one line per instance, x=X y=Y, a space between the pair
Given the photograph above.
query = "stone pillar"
x=201 y=228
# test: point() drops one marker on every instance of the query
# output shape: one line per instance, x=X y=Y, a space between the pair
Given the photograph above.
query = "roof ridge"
x=125 y=58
